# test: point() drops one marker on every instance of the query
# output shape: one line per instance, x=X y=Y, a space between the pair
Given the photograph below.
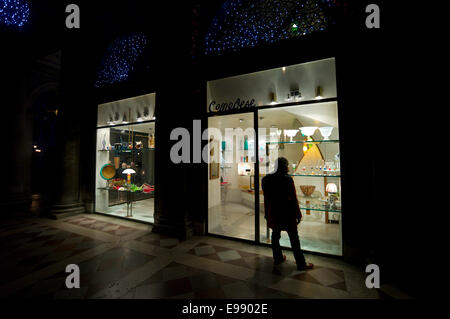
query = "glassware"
x=291 y=133
x=326 y=132
x=308 y=130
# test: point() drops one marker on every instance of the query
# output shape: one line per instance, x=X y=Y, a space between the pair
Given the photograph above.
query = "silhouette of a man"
x=282 y=212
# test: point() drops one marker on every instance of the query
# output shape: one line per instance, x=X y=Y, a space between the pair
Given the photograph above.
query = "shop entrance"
x=231 y=177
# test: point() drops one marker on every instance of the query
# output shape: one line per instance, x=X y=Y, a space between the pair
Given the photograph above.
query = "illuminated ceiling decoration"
x=120 y=59
x=14 y=13
x=248 y=23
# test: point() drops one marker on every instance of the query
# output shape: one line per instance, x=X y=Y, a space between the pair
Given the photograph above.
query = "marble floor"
x=125 y=259
x=238 y=221
x=142 y=210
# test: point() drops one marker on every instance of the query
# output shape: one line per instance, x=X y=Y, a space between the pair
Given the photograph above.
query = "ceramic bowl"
x=307 y=190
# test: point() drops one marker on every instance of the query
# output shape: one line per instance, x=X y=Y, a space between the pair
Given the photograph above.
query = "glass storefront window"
x=313 y=155
x=126 y=147
x=297 y=111
x=125 y=159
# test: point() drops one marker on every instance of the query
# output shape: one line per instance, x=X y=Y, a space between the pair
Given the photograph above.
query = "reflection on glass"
x=313 y=156
x=231 y=192
x=128 y=148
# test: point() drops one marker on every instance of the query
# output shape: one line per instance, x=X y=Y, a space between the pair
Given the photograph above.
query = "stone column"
x=171 y=182
x=16 y=144
x=15 y=66
x=66 y=176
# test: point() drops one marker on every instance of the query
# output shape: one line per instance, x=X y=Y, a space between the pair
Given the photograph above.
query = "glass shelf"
x=316 y=204
x=319 y=209
x=127 y=150
x=315 y=175
x=305 y=142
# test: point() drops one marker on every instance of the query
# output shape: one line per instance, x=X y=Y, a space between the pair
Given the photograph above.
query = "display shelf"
x=316 y=204
x=316 y=175
x=320 y=209
x=305 y=142
x=127 y=150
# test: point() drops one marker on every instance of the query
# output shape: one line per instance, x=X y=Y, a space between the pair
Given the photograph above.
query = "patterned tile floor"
x=123 y=259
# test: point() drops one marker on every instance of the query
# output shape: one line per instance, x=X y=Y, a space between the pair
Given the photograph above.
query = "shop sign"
x=231 y=106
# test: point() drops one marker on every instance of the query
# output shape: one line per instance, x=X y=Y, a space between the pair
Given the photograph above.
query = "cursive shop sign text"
x=231 y=106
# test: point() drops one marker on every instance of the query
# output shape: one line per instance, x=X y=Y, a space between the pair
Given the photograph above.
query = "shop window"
x=125 y=165
x=308 y=137
x=296 y=108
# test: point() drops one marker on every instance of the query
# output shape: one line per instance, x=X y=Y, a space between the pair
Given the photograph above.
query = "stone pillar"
x=16 y=143
x=171 y=180
x=66 y=176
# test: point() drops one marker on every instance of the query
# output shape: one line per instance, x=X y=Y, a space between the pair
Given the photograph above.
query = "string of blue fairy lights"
x=120 y=58
x=247 y=23
x=14 y=13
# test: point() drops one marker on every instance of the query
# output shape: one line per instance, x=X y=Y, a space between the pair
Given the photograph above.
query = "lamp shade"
x=331 y=188
x=129 y=171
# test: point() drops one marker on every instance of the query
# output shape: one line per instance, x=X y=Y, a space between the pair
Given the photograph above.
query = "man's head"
x=124 y=165
x=282 y=165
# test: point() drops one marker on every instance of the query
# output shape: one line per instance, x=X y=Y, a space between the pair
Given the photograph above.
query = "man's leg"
x=296 y=249
x=276 y=248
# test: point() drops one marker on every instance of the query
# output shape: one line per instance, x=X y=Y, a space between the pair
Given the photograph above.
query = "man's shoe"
x=305 y=267
x=277 y=262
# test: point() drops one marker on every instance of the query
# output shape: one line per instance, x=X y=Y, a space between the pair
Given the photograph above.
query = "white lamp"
x=128 y=172
x=331 y=188
x=326 y=132
x=332 y=198
x=291 y=133
x=308 y=130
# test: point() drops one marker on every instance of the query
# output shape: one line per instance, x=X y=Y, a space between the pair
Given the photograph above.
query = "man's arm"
x=294 y=199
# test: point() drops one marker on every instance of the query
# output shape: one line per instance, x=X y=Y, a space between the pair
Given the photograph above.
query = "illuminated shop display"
x=125 y=174
x=305 y=131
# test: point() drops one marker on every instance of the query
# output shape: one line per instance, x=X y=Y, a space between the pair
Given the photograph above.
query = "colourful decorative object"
x=107 y=172
x=116 y=162
x=147 y=188
x=128 y=172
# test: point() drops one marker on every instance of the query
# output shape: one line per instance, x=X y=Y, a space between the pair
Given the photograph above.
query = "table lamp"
x=129 y=171
x=331 y=189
